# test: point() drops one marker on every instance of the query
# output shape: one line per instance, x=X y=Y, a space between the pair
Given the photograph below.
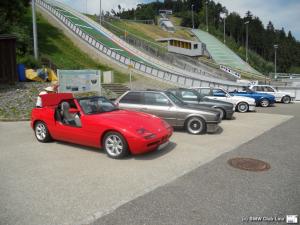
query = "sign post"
x=130 y=66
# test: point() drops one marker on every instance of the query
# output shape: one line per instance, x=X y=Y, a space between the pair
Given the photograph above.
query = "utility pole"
x=223 y=16
x=275 y=61
x=85 y=6
x=35 y=41
x=206 y=3
x=247 y=22
x=193 y=16
x=100 y=15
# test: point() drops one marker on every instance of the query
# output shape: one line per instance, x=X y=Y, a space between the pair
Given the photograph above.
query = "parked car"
x=280 y=96
x=261 y=99
x=195 y=119
x=191 y=96
x=242 y=104
x=97 y=122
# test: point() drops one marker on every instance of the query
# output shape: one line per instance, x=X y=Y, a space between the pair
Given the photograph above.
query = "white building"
x=184 y=47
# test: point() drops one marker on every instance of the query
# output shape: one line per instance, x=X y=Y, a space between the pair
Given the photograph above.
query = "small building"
x=166 y=11
x=185 y=47
x=8 y=65
x=166 y=24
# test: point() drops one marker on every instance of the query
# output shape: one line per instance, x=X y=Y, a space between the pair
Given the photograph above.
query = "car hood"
x=129 y=120
x=213 y=102
x=198 y=107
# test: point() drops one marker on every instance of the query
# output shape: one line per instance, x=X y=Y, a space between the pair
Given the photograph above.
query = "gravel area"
x=16 y=101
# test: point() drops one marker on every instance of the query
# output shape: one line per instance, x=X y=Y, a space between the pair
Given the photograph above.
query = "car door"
x=271 y=91
x=158 y=104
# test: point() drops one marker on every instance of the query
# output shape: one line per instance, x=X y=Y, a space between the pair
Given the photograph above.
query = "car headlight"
x=145 y=133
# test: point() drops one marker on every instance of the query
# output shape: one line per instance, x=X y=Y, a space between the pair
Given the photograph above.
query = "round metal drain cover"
x=249 y=164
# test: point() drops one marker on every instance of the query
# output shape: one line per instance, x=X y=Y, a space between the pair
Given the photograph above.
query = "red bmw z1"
x=97 y=122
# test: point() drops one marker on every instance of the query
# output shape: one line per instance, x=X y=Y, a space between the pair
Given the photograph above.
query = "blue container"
x=21 y=72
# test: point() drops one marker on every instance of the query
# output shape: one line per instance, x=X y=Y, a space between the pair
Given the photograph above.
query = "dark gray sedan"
x=191 y=96
x=195 y=119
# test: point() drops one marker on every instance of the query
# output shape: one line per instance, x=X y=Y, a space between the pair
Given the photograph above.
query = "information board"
x=79 y=81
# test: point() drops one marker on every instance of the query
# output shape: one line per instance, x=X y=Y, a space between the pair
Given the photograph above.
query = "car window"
x=96 y=105
x=205 y=91
x=259 y=88
x=152 y=98
x=218 y=92
x=268 y=89
x=188 y=95
x=132 y=98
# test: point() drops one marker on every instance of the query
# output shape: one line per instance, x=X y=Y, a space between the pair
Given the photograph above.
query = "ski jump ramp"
x=121 y=53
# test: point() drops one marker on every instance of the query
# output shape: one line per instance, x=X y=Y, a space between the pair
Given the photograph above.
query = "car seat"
x=69 y=118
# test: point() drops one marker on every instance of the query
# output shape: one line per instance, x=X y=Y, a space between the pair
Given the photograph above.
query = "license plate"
x=163 y=145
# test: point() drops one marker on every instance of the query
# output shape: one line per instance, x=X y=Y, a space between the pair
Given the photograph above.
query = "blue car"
x=261 y=99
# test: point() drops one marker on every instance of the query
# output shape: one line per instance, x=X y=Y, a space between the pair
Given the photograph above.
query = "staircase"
x=119 y=89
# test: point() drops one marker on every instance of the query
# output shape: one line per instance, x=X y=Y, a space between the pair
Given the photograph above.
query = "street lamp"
x=35 y=41
x=100 y=15
x=246 y=23
x=193 y=16
x=275 y=60
x=223 y=16
x=206 y=3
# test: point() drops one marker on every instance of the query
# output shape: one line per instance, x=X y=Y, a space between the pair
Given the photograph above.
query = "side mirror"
x=73 y=110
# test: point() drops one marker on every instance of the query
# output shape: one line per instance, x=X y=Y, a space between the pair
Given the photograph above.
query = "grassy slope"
x=55 y=46
x=146 y=31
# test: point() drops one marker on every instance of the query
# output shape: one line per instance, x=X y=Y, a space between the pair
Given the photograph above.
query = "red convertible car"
x=97 y=122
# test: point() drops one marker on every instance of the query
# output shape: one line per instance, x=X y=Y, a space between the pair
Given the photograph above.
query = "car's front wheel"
x=115 y=145
x=242 y=107
x=196 y=125
x=286 y=99
x=264 y=102
x=41 y=132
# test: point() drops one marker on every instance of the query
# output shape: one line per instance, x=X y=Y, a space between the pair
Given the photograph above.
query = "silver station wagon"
x=195 y=119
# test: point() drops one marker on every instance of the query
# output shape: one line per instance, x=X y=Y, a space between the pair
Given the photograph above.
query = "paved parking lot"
x=59 y=183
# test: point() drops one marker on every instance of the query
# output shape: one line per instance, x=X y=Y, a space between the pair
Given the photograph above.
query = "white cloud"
x=282 y=13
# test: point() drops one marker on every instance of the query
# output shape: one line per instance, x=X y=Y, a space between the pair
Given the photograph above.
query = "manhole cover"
x=249 y=164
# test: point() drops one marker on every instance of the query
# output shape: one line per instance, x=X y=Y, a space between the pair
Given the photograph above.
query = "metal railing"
x=155 y=72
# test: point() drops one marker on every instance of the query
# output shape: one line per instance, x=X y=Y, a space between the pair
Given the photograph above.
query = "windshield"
x=96 y=105
x=174 y=99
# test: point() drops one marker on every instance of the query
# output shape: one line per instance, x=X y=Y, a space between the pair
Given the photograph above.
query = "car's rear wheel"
x=264 y=102
x=41 y=132
x=196 y=125
x=115 y=145
x=222 y=113
x=242 y=107
x=286 y=99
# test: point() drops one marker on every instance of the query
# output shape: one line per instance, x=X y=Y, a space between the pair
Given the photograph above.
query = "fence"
x=153 y=71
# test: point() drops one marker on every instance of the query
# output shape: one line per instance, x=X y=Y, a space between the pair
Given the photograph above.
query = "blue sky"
x=283 y=13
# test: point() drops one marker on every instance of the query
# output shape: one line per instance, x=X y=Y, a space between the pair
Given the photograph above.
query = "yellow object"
x=51 y=75
x=41 y=75
x=33 y=75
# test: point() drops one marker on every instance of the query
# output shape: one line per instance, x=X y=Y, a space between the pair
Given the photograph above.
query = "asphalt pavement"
x=59 y=183
x=218 y=194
